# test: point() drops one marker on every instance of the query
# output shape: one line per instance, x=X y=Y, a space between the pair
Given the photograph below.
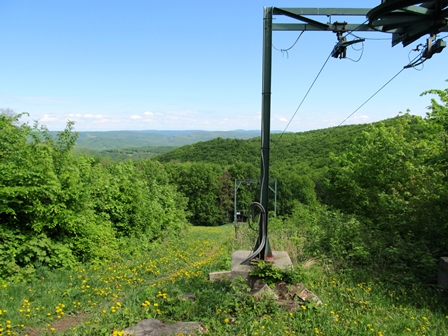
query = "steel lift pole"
x=266 y=252
x=262 y=249
x=406 y=20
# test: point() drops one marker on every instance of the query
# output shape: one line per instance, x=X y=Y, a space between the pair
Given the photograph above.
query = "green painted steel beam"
x=309 y=27
x=399 y=21
x=412 y=32
x=315 y=23
x=325 y=11
x=418 y=10
x=389 y=6
x=266 y=252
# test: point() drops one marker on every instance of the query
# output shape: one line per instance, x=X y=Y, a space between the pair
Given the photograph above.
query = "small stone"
x=304 y=294
x=219 y=276
x=257 y=285
x=264 y=291
x=309 y=296
x=189 y=296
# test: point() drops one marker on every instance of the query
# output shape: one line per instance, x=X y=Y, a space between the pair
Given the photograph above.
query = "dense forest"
x=368 y=197
x=100 y=141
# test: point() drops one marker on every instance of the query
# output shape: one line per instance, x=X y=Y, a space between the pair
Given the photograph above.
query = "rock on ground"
x=154 y=327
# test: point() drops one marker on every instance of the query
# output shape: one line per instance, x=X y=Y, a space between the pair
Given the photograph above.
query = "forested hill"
x=126 y=139
x=311 y=147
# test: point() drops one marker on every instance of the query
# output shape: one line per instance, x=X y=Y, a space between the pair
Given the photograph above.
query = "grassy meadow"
x=158 y=283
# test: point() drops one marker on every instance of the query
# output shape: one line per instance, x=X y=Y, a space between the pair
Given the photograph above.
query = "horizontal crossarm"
x=308 y=27
x=314 y=25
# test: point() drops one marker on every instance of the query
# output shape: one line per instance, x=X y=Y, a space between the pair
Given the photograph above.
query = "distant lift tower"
x=407 y=21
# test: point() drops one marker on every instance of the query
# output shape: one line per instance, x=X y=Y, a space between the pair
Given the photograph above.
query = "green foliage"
x=308 y=149
x=267 y=271
x=124 y=154
x=169 y=208
x=129 y=140
x=319 y=232
x=225 y=189
x=219 y=151
x=438 y=116
x=439 y=110
x=298 y=160
x=294 y=186
x=386 y=178
x=385 y=187
x=57 y=209
x=271 y=274
x=21 y=254
x=207 y=188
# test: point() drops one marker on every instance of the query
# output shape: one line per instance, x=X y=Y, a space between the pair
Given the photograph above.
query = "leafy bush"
x=271 y=274
x=58 y=209
x=387 y=179
x=328 y=234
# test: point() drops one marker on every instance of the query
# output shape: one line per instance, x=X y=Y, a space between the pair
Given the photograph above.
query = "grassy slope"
x=148 y=284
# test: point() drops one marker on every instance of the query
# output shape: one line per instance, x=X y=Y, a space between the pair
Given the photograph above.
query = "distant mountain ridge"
x=126 y=139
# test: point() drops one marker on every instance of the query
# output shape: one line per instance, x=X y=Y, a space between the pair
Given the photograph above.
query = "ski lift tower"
x=407 y=21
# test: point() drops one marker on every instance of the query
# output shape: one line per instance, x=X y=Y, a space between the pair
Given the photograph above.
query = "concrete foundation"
x=281 y=260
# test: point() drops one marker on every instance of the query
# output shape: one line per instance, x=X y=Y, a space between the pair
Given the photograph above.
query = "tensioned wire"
x=365 y=102
x=304 y=97
x=377 y=91
x=312 y=84
x=373 y=95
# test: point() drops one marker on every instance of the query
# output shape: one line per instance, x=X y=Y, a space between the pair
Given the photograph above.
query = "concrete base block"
x=442 y=279
x=281 y=260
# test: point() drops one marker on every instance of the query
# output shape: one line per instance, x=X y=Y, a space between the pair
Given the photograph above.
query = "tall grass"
x=170 y=283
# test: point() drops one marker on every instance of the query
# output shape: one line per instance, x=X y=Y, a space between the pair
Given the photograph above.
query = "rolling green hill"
x=129 y=139
x=312 y=147
x=123 y=154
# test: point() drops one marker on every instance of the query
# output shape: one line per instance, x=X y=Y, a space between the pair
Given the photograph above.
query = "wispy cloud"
x=105 y=120
x=91 y=116
x=150 y=119
x=47 y=118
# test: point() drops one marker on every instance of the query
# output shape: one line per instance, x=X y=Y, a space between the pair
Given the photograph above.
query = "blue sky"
x=178 y=65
